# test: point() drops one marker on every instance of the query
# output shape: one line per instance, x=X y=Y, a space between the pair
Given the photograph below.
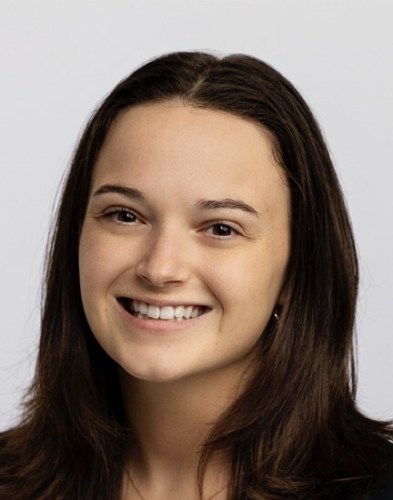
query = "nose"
x=163 y=262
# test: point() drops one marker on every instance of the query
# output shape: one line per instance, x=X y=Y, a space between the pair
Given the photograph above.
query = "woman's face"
x=188 y=214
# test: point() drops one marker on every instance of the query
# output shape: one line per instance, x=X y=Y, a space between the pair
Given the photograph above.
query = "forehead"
x=155 y=124
x=171 y=144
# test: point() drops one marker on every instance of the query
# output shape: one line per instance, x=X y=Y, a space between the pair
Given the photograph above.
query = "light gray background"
x=58 y=59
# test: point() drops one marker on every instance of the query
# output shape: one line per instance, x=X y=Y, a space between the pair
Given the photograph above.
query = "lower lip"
x=160 y=325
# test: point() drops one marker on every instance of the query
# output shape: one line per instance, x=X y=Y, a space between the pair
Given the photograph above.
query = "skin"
x=176 y=378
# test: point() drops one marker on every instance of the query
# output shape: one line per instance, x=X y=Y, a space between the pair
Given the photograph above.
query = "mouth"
x=146 y=311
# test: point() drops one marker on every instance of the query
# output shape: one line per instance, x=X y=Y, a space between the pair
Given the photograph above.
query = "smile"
x=146 y=311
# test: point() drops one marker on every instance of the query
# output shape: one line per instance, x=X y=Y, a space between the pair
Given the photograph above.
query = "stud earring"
x=276 y=313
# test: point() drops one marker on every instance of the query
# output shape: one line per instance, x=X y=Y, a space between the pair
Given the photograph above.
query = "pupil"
x=126 y=217
x=223 y=230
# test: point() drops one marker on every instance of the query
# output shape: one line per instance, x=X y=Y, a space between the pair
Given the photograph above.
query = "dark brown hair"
x=295 y=432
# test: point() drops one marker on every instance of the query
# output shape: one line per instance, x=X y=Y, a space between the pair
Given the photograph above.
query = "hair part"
x=295 y=429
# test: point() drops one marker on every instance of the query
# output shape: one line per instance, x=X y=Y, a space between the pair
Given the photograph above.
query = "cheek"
x=251 y=282
x=101 y=260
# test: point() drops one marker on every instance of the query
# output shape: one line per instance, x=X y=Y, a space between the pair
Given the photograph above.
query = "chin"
x=157 y=374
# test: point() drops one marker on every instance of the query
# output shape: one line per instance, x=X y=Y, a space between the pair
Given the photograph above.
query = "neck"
x=171 y=421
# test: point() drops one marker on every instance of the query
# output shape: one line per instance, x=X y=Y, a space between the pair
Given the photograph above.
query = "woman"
x=199 y=304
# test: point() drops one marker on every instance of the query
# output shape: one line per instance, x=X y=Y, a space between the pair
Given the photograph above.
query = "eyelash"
x=117 y=211
x=227 y=226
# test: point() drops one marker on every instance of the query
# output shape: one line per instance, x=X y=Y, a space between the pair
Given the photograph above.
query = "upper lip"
x=163 y=302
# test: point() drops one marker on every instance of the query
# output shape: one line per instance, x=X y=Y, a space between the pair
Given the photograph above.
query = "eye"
x=121 y=216
x=221 y=230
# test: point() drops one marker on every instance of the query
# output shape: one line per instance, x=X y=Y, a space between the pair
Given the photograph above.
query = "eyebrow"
x=226 y=203
x=132 y=193
x=203 y=204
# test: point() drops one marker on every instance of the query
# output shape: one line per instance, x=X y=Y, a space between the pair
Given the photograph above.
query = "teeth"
x=167 y=313
x=188 y=312
x=153 y=312
x=178 y=313
x=142 y=308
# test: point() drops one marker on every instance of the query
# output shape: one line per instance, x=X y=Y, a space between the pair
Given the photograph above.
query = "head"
x=309 y=349
x=187 y=209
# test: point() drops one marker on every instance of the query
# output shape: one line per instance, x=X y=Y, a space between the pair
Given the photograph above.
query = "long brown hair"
x=295 y=432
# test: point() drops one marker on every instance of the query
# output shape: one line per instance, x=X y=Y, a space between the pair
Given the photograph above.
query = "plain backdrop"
x=57 y=61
